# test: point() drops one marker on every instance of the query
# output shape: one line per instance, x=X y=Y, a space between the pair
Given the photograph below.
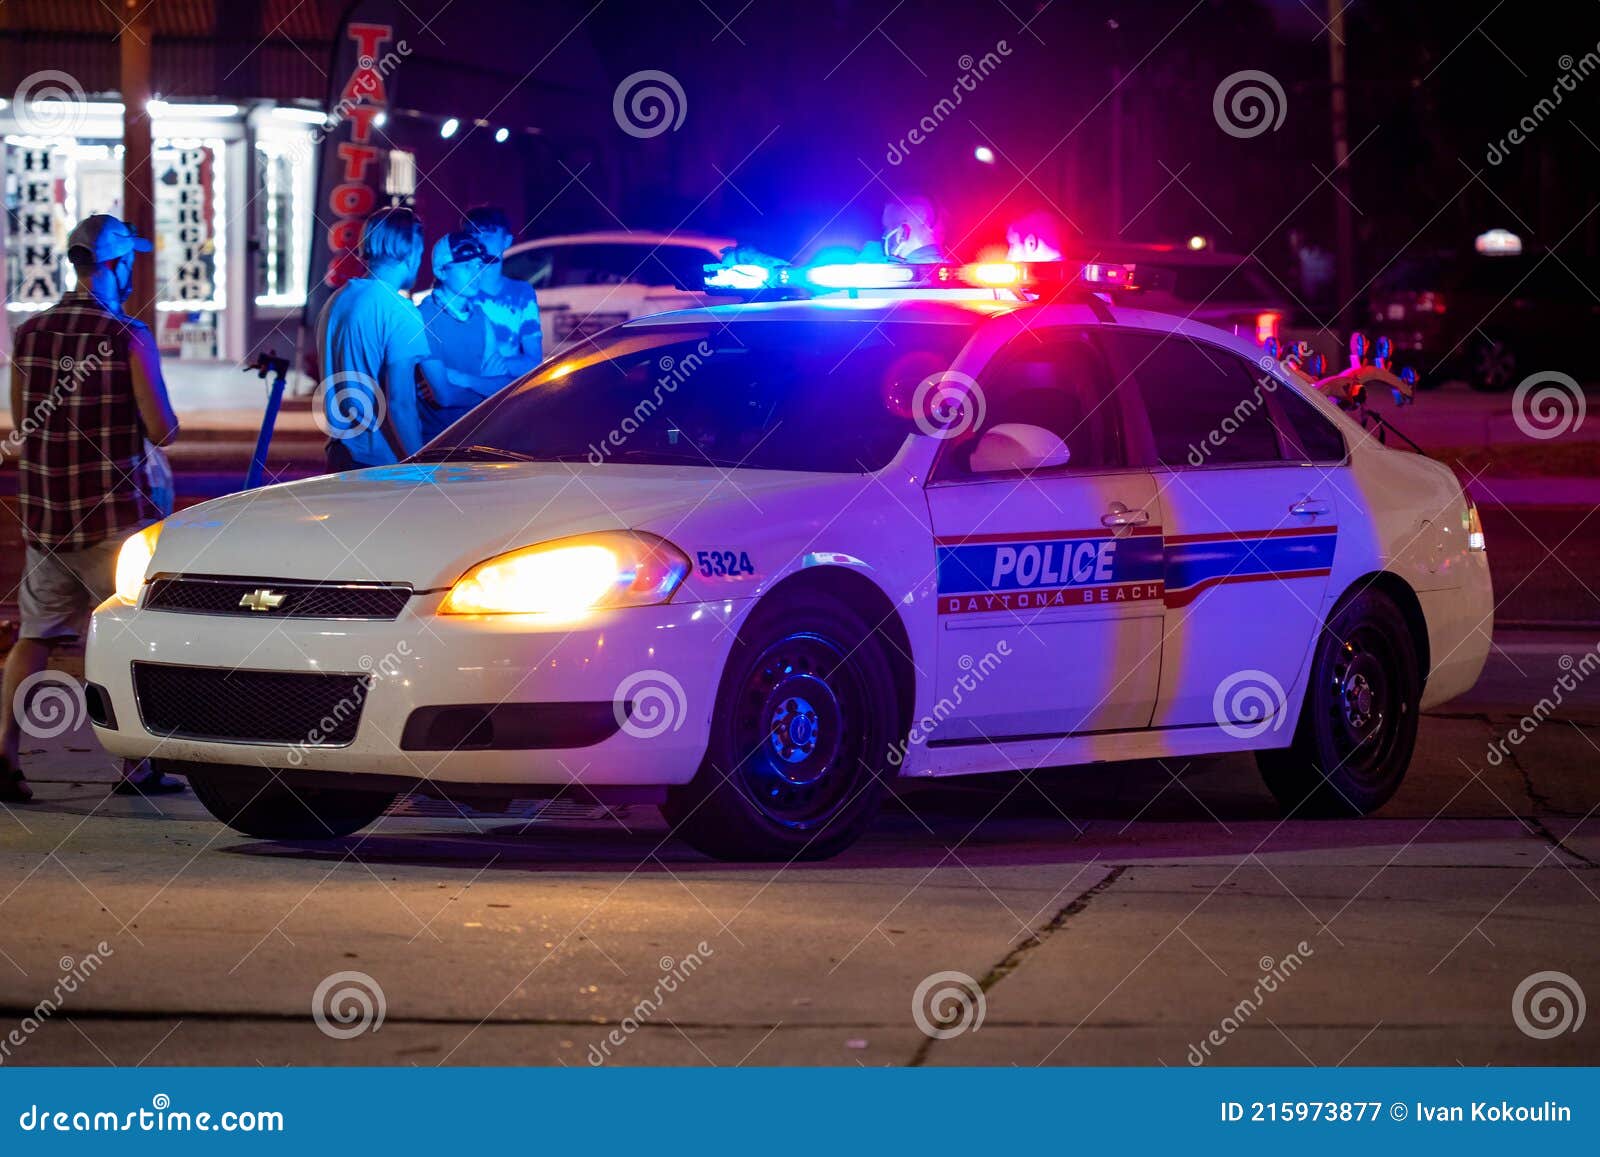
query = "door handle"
x=1309 y=508
x=1120 y=515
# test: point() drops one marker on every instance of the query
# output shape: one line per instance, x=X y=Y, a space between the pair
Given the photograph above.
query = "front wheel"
x=256 y=802
x=800 y=739
x=1359 y=723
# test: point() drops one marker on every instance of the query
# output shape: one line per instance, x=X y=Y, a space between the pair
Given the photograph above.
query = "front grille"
x=249 y=706
x=205 y=595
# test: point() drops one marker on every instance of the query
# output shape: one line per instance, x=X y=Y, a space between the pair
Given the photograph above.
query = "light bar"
x=1100 y=277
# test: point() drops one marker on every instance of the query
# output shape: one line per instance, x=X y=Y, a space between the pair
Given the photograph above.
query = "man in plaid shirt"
x=86 y=392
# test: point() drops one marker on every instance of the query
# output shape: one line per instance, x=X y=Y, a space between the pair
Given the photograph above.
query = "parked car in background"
x=588 y=282
x=1488 y=319
x=1224 y=290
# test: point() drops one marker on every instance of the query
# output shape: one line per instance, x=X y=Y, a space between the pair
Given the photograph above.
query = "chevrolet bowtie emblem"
x=262 y=600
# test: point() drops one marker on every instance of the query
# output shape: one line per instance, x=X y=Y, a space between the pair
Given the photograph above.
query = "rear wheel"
x=1359 y=723
x=256 y=802
x=800 y=737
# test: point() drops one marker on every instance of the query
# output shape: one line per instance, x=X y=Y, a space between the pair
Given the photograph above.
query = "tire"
x=1493 y=366
x=255 y=802
x=800 y=738
x=1358 y=725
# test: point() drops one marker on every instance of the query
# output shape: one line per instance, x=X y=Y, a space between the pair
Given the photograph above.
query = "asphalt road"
x=1128 y=914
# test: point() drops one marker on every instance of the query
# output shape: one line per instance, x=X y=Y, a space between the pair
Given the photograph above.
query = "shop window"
x=282 y=205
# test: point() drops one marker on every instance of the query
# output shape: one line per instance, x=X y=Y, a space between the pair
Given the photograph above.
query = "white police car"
x=755 y=562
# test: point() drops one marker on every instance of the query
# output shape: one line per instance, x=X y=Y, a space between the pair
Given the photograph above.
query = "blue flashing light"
x=864 y=275
x=744 y=277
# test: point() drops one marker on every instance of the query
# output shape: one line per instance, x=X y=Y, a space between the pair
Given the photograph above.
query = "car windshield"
x=818 y=395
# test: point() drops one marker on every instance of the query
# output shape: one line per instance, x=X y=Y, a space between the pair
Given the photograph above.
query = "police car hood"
x=425 y=523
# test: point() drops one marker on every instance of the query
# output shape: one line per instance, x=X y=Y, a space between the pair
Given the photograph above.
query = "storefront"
x=233 y=199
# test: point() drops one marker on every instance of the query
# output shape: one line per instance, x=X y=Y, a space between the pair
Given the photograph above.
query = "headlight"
x=567 y=577
x=133 y=560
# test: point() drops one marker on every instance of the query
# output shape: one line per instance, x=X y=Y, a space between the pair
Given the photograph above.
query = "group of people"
x=395 y=373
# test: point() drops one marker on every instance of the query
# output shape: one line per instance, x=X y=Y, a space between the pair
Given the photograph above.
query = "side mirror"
x=1012 y=446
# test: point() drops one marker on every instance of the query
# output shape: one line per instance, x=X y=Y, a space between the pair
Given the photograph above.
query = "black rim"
x=1365 y=706
x=799 y=731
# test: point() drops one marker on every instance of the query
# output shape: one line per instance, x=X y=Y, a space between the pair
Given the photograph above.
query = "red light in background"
x=1267 y=327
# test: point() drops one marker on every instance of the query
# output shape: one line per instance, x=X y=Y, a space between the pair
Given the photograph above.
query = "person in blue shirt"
x=373 y=347
x=510 y=305
x=460 y=334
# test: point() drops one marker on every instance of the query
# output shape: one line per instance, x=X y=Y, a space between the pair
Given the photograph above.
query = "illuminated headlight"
x=133 y=562
x=568 y=577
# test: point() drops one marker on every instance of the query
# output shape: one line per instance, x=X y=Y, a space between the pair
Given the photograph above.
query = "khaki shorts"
x=60 y=588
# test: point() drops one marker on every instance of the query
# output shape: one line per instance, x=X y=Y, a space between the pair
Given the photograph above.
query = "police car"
x=756 y=563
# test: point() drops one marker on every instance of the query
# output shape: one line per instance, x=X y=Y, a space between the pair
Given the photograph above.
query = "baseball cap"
x=105 y=237
x=462 y=245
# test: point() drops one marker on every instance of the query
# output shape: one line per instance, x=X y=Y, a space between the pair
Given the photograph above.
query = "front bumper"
x=666 y=661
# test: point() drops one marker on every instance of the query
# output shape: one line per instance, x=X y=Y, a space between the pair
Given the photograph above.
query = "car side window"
x=1206 y=408
x=1312 y=434
x=1057 y=382
x=535 y=266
